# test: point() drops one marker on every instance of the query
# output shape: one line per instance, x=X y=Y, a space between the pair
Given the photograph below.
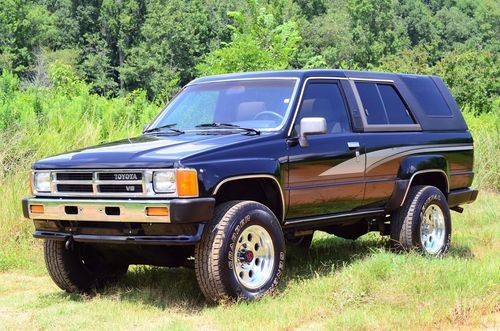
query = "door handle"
x=353 y=145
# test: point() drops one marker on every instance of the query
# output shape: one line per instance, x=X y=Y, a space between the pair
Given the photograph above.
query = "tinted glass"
x=427 y=95
x=260 y=104
x=374 y=108
x=394 y=106
x=324 y=100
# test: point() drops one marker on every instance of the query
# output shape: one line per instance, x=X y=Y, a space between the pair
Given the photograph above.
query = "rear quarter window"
x=428 y=96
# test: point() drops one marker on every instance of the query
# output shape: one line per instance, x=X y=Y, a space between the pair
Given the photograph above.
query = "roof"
x=301 y=74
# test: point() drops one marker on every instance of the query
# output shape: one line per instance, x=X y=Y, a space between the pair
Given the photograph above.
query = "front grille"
x=84 y=188
x=120 y=188
x=74 y=176
x=130 y=183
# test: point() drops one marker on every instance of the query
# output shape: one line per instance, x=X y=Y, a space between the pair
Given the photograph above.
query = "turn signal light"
x=157 y=211
x=187 y=183
x=37 y=209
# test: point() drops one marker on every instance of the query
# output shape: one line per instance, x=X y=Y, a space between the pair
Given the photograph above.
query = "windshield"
x=257 y=104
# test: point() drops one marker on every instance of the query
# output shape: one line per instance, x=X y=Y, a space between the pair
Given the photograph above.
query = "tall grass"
x=486 y=133
x=38 y=122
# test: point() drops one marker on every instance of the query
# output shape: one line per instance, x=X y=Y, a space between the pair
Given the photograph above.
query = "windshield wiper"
x=166 y=126
x=227 y=126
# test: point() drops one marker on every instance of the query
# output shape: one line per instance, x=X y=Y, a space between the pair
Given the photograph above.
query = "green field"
x=339 y=284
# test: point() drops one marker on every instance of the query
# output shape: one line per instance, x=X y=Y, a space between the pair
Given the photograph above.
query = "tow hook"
x=69 y=244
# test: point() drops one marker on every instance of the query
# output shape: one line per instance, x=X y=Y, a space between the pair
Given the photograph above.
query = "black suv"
x=239 y=166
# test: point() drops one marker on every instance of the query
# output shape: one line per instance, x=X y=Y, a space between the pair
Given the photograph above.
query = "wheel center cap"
x=248 y=256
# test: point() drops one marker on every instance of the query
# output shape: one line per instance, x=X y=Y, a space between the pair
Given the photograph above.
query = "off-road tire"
x=214 y=253
x=69 y=271
x=406 y=222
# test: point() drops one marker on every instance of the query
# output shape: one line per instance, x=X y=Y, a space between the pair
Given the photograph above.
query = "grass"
x=339 y=284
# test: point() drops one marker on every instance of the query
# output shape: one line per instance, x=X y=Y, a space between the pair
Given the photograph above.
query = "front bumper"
x=120 y=221
x=180 y=239
x=197 y=210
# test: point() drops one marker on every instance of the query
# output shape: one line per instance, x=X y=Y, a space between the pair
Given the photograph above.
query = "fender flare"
x=409 y=168
x=255 y=176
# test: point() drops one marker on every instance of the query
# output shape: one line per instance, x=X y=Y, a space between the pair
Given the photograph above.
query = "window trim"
x=382 y=127
x=288 y=112
x=301 y=97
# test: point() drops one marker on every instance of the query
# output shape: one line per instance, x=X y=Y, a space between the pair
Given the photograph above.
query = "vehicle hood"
x=146 y=151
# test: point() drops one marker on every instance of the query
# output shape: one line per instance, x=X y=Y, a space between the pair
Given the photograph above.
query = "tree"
x=410 y=61
x=96 y=65
x=24 y=26
x=258 y=42
x=419 y=23
x=455 y=28
x=173 y=38
x=120 y=21
x=311 y=8
x=376 y=29
x=473 y=77
x=328 y=39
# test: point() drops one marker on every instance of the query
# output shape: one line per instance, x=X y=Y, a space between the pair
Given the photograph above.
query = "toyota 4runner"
x=239 y=166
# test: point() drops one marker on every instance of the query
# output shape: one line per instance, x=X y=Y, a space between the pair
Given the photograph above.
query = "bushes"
x=473 y=78
x=39 y=122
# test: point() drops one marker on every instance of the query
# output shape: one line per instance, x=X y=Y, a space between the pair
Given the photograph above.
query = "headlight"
x=184 y=182
x=164 y=182
x=41 y=181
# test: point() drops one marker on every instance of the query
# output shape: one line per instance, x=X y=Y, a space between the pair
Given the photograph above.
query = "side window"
x=397 y=112
x=382 y=104
x=374 y=108
x=323 y=99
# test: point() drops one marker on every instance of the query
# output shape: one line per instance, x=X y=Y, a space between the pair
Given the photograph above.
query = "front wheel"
x=241 y=253
x=423 y=222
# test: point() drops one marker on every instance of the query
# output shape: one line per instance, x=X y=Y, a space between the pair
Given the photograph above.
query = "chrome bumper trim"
x=95 y=210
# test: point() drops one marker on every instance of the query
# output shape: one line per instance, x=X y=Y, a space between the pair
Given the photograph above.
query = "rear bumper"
x=462 y=196
x=197 y=210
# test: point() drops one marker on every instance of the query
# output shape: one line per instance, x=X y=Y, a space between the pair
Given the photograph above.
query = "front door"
x=326 y=177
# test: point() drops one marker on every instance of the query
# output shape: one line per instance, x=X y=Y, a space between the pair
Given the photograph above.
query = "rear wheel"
x=78 y=269
x=241 y=253
x=423 y=222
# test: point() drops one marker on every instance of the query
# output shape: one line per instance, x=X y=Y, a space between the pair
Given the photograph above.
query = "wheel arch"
x=263 y=188
x=433 y=177
x=419 y=170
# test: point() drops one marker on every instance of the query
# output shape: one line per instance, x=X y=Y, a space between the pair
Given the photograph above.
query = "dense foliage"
x=159 y=45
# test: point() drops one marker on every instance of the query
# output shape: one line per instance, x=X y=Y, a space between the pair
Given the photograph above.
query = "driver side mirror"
x=310 y=126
